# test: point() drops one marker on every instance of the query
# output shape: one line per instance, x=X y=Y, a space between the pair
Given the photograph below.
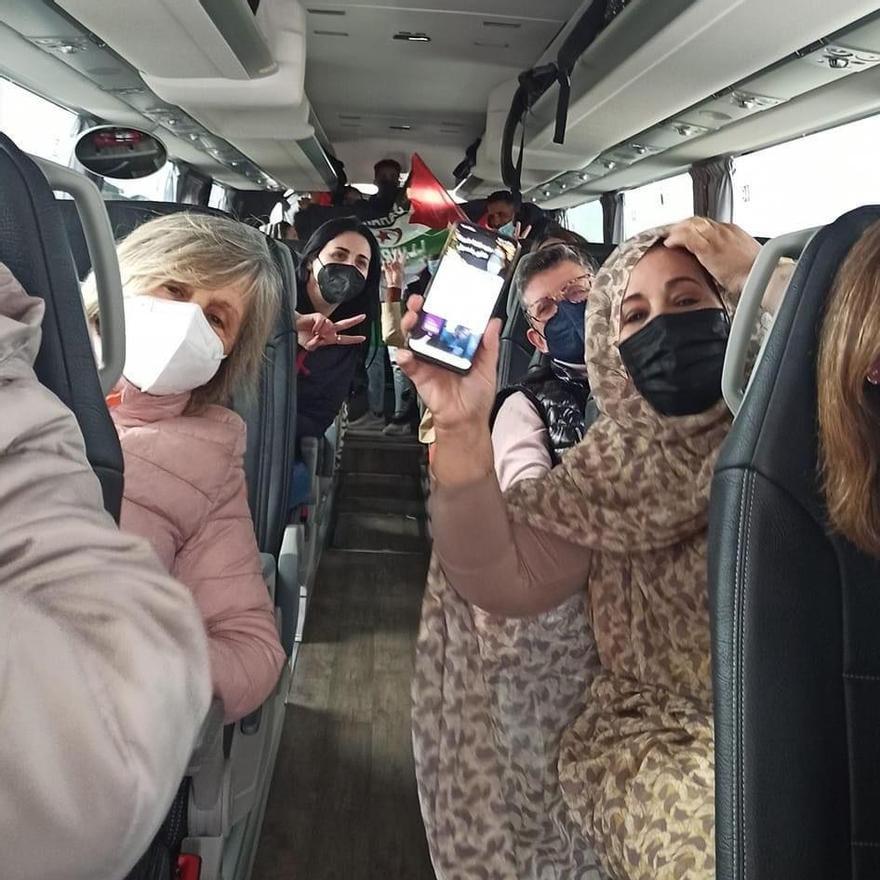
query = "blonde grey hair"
x=205 y=251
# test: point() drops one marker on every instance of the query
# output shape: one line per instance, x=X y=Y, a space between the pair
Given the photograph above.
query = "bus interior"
x=611 y=116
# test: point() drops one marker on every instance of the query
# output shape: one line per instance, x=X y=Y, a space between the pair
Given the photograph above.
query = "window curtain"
x=612 y=217
x=193 y=187
x=713 y=189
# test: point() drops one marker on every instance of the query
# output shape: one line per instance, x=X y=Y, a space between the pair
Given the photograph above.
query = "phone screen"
x=474 y=268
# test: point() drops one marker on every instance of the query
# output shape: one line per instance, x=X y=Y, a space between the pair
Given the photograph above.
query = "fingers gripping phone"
x=475 y=268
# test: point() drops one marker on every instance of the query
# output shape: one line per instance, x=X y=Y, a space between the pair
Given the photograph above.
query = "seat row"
x=50 y=244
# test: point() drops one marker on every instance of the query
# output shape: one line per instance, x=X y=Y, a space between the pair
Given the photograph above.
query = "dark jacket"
x=560 y=397
x=322 y=387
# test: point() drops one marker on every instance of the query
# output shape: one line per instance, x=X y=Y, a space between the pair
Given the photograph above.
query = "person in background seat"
x=201 y=298
x=534 y=422
x=501 y=210
x=104 y=677
x=338 y=277
x=849 y=397
x=351 y=196
x=386 y=177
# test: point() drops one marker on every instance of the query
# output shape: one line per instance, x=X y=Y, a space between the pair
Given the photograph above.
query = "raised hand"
x=315 y=331
x=457 y=401
x=392 y=270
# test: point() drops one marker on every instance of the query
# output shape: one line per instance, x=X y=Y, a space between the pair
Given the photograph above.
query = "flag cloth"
x=432 y=206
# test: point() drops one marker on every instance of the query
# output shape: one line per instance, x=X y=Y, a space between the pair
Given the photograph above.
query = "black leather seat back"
x=32 y=245
x=270 y=415
x=796 y=614
x=600 y=252
x=125 y=217
x=515 y=352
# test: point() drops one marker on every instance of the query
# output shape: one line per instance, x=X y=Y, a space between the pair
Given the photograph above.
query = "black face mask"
x=340 y=283
x=676 y=361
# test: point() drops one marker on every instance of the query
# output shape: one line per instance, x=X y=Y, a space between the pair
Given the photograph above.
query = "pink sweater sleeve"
x=221 y=565
x=519 y=442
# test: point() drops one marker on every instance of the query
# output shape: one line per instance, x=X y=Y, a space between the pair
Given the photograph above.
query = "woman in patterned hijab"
x=624 y=518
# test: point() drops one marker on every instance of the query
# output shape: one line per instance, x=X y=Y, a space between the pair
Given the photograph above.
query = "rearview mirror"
x=120 y=153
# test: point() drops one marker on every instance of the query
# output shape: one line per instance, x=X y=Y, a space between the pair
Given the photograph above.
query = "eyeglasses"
x=575 y=291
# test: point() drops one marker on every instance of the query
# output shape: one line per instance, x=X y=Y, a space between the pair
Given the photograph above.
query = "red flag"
x=431 y=205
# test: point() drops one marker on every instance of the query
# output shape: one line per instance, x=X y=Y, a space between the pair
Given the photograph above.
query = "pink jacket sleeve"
x=221 y=565
x=519 y=441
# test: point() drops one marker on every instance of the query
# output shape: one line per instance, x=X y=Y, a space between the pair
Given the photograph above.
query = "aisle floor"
x=343 y=804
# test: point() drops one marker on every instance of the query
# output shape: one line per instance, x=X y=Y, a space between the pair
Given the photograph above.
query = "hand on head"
x=455 y=400
x=726 y=252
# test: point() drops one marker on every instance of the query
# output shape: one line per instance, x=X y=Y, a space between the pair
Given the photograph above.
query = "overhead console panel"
x=240 y=74
x=662 y=76
x=181 y=38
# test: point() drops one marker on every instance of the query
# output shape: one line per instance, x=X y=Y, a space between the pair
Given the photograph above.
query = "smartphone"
x=474 y=271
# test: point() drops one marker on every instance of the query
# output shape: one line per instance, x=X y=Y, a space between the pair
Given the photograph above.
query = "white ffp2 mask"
x=170 y=347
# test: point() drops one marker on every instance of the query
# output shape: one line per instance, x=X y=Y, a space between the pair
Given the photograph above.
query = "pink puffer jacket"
x=185 y=492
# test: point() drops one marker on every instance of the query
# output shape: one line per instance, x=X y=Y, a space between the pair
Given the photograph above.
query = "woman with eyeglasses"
x=536 y=420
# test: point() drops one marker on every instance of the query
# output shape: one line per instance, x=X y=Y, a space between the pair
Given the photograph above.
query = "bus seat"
x=125 y=217
x=32 y=245
x=795 y=613
x=515 y=351
x=600 y=252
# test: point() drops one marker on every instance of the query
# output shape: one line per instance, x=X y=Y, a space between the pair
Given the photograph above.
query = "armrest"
x=311 y=450
x=270 y=570
x=250 y=724
x=210 y=738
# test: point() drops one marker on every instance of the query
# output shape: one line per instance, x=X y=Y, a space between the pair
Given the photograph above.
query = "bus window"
x=665 y=201
x=586 y=220
x=158 y=187
x=219 y=197
x=809 y=181
x=36 y=125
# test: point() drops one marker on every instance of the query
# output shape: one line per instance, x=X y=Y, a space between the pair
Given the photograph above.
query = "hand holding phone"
x=455 y=400
x=474 y=271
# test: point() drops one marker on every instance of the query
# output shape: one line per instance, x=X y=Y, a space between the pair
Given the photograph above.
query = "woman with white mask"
x=202 y=296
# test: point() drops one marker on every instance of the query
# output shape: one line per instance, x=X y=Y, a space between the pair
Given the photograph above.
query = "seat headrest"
x=779 y=414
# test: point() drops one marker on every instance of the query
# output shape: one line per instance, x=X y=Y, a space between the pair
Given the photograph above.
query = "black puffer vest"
x=561 y=398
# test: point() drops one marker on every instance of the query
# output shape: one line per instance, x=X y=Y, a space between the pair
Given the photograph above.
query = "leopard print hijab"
x=639 y=480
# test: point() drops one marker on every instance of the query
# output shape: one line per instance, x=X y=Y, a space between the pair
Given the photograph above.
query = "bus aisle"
x=343 y=802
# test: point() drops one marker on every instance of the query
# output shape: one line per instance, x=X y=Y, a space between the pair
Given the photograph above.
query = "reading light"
x=750 y=101
x=65 y=46
x=409 y=37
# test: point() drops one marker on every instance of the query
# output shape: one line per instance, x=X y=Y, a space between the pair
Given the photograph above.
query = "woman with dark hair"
x=338 y=275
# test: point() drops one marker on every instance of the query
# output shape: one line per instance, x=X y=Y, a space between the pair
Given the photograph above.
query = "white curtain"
x=612 y=216
x=713 y=189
